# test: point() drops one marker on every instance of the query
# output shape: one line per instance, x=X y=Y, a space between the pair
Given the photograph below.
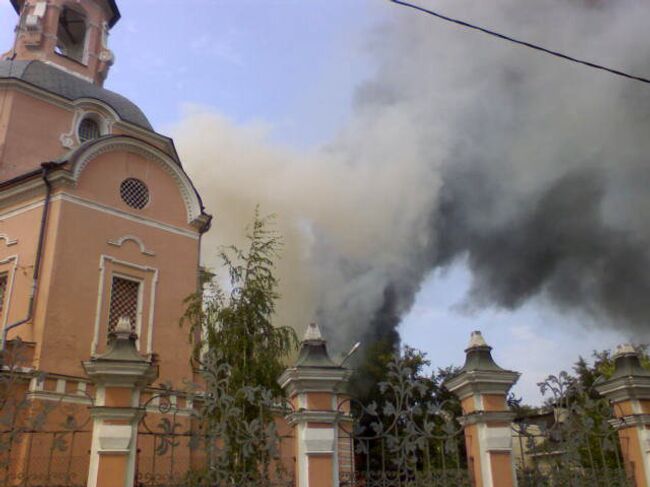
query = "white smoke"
x=533 y=168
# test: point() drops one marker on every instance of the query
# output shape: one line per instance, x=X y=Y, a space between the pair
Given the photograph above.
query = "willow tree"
x=241 y=353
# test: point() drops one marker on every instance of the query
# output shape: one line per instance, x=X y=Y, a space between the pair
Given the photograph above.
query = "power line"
x=521 y=43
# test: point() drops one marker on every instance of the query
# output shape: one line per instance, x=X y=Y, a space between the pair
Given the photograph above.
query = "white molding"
x=320 y=441
x=152 y=300
x=93 y=467
x=303 y=461
x=66 y=70
x=101 y=113
x=498 y=439
x=69 y=198
x=134 y=146
x=21 y=209
x=8 y=242
x=73 y=199
x=58 y=397
x=486 y=465
x=11 y=279
x=126 y=238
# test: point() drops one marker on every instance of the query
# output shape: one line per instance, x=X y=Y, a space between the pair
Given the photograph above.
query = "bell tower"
x=69 y=34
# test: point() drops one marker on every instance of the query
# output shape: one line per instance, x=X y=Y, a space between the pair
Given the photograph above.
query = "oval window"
x=134 y=193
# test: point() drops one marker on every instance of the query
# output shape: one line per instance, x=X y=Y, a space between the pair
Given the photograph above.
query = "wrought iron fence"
x=570 y=442
x=220 y=437
x=411 y=439
x=43 y=443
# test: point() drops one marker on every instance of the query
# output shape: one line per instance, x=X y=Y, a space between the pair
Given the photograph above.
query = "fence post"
x=482 y=387
x=315 y=386
x=119 y=376
x=628 y=390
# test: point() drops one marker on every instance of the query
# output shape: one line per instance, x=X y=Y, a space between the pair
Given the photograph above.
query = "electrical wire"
x=521 y=43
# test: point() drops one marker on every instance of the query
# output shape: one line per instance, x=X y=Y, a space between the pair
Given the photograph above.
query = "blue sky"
x=294 y=65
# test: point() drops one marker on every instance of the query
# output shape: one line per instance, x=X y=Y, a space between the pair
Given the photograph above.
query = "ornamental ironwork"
x=570 y=441
x=410 y=437
x=43 y=443
x=214 y=436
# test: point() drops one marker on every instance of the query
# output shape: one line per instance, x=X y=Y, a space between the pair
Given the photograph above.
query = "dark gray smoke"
x=533 y=170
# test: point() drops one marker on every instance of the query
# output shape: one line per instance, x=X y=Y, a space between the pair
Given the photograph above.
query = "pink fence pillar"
x=482 y=387
x=628 y=389
x=119 y=376
x=315 y=386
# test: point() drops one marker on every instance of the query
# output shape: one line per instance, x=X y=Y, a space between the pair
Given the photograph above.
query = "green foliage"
x=406 y=423
x=241 y=354
x=235 y=326
x=570 y=440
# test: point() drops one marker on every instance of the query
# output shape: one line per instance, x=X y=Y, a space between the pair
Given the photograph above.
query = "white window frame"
x=103 y=260
x=11 y=278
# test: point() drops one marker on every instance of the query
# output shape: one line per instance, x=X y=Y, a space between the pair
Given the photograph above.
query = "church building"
x=98 y=219
x=99 y=223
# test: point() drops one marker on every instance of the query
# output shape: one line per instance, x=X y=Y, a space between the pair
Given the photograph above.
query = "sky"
x=294 y=66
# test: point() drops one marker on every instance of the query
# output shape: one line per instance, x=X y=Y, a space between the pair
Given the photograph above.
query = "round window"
x=134 y=193
x=88 y=130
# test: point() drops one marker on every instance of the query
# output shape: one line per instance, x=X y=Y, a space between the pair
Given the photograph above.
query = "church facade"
x=100 y=226
x=99 y=221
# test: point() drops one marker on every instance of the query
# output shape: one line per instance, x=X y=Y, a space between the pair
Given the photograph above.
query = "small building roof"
x=18 y=4
x=57 y=81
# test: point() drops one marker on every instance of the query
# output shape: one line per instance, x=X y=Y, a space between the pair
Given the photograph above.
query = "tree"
x=240 y=353
x=406 y=423
x=236 y=325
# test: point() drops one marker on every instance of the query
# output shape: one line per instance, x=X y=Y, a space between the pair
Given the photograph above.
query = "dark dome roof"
x=68 y=86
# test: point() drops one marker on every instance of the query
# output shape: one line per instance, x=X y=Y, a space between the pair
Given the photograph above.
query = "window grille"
x=125 y=295
x=88 y=130
x=134 y=193
x=3 y=292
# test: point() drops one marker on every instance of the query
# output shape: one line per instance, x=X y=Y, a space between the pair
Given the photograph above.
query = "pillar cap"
x=480 y=374
x=313 y=350
x=314 y=371
x=479 y=355
x=630 y=379
x=122 y=363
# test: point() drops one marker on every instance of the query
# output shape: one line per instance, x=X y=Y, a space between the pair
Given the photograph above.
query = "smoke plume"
x=533 y=170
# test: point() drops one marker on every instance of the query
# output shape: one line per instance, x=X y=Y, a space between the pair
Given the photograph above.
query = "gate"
x=409 y=438
x=569 y=442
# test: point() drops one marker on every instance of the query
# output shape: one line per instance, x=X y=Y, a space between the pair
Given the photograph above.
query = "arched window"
x=88 y=130
x=71 y=35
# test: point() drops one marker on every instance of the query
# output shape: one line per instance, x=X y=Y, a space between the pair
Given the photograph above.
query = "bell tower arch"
x=69 y=34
